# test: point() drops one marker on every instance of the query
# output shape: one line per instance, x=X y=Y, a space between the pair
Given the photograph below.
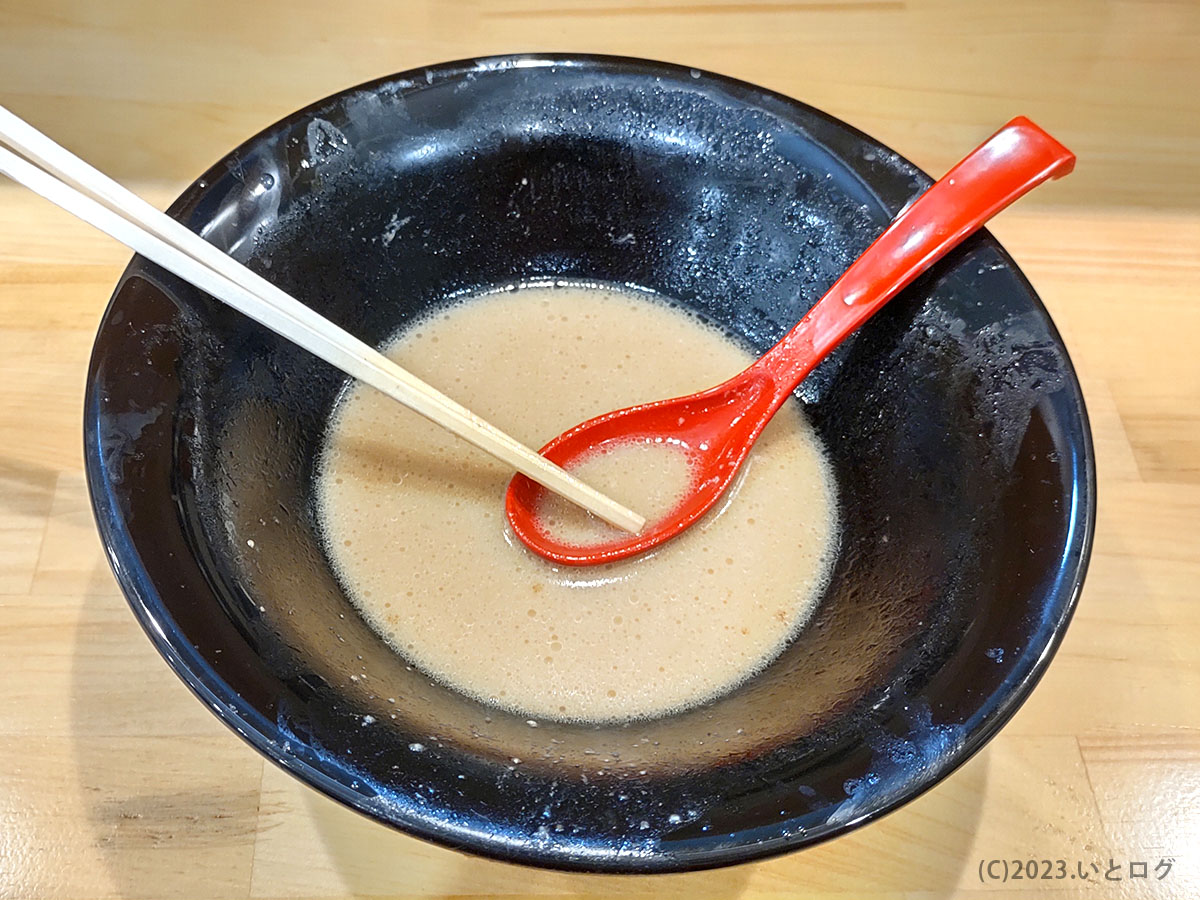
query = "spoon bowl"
x=718 y=427
x=714 y=428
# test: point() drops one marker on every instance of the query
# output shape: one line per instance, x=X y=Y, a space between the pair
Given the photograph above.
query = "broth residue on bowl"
x=413 y=518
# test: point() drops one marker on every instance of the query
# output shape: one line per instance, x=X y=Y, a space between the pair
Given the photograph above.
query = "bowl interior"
x=954 y=420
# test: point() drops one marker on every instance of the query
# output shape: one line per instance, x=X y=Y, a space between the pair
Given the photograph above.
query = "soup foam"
x=413 y=518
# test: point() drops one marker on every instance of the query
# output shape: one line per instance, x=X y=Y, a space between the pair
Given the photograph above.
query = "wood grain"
x=161 y=91
x=115 y=782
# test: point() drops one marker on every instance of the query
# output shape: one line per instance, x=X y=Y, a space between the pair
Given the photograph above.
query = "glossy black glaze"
x=962 y=449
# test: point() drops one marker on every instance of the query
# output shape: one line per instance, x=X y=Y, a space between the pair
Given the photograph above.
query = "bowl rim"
x=265 y=737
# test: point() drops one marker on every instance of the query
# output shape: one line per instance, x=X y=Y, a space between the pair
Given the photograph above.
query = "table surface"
x=114 y=781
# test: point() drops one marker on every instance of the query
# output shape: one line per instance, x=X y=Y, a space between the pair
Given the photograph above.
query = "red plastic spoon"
x=718 y=427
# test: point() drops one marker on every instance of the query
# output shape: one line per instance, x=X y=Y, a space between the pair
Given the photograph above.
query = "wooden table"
x=114 y=781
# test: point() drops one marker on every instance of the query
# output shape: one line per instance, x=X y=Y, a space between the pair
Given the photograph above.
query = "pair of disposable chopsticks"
x=53 y=172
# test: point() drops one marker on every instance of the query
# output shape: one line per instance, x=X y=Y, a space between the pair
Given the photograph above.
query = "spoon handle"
x=1009 y=164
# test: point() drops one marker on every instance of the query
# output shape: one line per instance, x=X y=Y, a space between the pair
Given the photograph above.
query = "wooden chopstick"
x=83 y=191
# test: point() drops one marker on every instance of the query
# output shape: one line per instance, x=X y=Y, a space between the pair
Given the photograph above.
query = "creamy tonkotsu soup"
x=651 y=478
x=413 y=518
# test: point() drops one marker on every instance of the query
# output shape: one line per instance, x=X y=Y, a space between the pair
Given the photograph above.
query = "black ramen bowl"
x=954 y=420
